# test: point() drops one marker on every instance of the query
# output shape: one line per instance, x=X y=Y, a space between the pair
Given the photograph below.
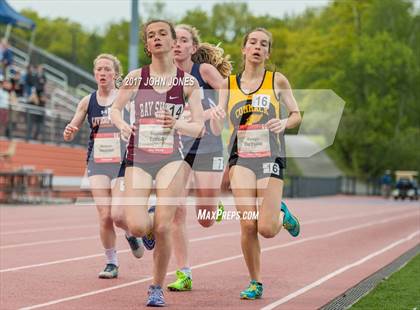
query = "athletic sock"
x=187 y=271
x=111 y=256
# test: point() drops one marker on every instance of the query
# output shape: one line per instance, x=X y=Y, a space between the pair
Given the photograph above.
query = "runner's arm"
x=218 y=113
x=195 y=126
x=129 y=86
x=282 y=84
x=212 y=77
x=79 y=116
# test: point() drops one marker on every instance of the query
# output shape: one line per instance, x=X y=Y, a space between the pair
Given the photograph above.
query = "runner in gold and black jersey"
x=251 y=102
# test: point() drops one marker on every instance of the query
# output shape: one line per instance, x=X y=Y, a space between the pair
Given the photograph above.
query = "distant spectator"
x=29 y=80
x=4 y=92
x=7 y=86
x=1 y=53
x=416 y=186
x=35 y=117
x=4 y=108
x=17 y=84
x=7 y=57
x=386 y=182
x=40 y=82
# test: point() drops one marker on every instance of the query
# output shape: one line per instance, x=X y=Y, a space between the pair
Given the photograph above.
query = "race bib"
x=155 y=139
x=261 y=101
x=201 y=92
x=218 y=163
x=107 y=148
x=271 y=168
x=253 y=141
x=175 y=109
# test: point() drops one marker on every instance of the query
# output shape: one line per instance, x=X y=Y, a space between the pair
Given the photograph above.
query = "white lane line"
x=26 y=244
x=20 y=245
x=214 y=262
x=346 y=216
x=27 y=231
x=337 y=272
x=194 y=226
x=126 y=251
x=61 y=261
x=5 y=222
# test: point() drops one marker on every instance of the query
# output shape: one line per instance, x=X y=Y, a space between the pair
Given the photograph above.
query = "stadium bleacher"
x=66 y=85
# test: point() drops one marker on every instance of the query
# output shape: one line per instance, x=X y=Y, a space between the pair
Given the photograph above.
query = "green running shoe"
x=220 y=211
x=254 y=291
x=290 y=222
x=182 y=283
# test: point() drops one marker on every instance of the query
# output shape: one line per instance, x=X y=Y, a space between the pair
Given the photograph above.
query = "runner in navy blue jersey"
x=105 y=159
x=204 y=155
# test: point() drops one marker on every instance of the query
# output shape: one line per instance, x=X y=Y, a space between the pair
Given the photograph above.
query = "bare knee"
x=178 y=228
x=138 y=229
x=267 y=231
x=162 y=229
x=206 y=223
x=105 y=218
x=118 y=218
x=249 y=228
x=179 y=218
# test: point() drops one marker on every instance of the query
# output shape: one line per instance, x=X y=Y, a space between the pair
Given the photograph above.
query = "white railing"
x=83 y=90
x=55 y=76
x=61 y=99
x=20 y=58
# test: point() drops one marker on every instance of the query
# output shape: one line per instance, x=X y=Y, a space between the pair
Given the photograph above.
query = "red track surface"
x=50 y=257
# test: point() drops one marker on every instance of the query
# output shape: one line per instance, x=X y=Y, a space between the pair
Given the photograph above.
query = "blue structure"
x=10 y=17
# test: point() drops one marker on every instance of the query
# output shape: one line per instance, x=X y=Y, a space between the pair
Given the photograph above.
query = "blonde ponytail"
x=213 y=55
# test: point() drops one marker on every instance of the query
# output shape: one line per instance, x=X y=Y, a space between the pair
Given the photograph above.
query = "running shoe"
x=110 y=272
x=155 y=298
x=220 y=211
x=253 y=291
x=149 y=239
x=290 y=222
x=182 y=283
x=136 y=246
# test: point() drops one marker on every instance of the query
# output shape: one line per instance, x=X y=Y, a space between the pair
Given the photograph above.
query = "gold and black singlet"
x=248 y=114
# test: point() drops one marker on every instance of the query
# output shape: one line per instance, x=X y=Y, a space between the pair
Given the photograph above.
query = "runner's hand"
x=126 y=131
x=165 y=118
x=217 y=113
x=69 y=131
x=186 y=116
x=276 y=125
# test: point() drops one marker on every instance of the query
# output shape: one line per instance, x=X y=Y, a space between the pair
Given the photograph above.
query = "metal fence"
x=60 y=67
x=297 y=186
x=300 y=186
x=30 y=122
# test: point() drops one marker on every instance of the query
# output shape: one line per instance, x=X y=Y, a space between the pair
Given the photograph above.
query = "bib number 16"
x=261 y=101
